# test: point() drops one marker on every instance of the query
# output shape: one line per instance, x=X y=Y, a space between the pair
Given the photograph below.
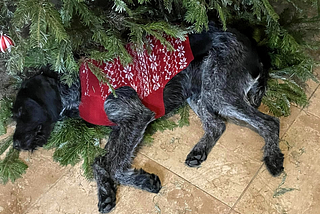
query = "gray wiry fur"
x=70 y=99
x=225 y=81
x=220 y=86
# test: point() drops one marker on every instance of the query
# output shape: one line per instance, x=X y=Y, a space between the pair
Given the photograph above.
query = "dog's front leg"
x=106 y=185
x=132 y=118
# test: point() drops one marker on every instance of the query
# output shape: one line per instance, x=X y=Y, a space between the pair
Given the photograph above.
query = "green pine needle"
x=5 y=144
x=147 y=138
x=184 y=116
x=3 y=129
x=270 y=10
x=163 y=124
x=222 y=15
x=196 y=14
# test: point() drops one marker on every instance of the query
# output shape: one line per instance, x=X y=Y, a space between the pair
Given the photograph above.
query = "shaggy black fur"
x=225 y=81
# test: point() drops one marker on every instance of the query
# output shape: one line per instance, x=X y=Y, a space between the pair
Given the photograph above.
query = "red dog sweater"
x=148 y=74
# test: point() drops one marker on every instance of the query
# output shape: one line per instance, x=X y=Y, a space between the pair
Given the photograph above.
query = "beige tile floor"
x=233 y=180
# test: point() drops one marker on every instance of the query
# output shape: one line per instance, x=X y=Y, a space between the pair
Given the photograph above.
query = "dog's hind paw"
x=107 y=198
x=148 y=182
x=274 y=163
x=195 y=158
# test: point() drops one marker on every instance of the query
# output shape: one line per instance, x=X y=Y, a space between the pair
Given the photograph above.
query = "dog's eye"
x=19 y=113
x=39 y=127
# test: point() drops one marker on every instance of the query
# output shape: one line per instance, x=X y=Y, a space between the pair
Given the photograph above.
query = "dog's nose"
x=16 y=144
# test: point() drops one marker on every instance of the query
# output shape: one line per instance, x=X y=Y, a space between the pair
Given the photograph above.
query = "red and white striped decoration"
x=5 y=43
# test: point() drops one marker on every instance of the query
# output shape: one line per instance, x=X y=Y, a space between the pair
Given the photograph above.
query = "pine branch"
x=279 y=96
x=67 y=12
x=196 y=14
x=168 y=5
x=68 y=153
x=147 y=138
x=120 y=6
x=184 y=116
x=55 y=25
x=11 y=168
x=88 y=18
x=89 y=152
x=113 y=44
x=5 y=114
x=101 y=76
x=163 y=124
x=156 y=29
x=270 y=11
x=72 y=147
x=5 y=144
x=222 y=15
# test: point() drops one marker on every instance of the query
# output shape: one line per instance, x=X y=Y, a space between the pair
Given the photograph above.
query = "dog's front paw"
x=148 y=182
x=195 y=158
x=107 y=197
x=274 y=163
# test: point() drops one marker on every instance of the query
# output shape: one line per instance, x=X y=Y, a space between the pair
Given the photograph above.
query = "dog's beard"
x=31 y=143
x=32 y=140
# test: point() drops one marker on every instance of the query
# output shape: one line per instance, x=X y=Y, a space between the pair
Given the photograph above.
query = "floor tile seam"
x=314 y=91
x=51 y=187
x=247 y=187
x=197 y=187
x=291 y=124
x=233 y=211
x=304 y=109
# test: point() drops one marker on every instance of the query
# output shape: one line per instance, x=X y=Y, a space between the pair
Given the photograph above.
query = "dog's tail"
x=201 y=43
x=259 y=88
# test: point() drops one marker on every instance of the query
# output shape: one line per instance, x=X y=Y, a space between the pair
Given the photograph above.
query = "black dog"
x=225 y=81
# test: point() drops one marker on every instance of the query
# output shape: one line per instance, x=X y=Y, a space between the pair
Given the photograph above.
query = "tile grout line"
x=233 y=211
x=188 y=181
x=295 y=119
x=313 y=92
x=247 y=187
x=42 y=195
x=303 y=109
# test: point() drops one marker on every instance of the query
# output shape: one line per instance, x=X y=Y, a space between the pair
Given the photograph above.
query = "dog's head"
x=33 y=125
x=35 y=111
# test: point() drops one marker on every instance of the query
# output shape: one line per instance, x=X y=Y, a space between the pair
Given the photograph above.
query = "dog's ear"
x=42 y=90
x=33 y=125
x=30 y=112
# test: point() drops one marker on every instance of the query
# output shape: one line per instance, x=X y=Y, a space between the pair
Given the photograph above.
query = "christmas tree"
x=64 y=33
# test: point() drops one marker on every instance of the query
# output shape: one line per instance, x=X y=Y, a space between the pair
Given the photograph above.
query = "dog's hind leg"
x=213 y=125
x=132 y=118
x=266 y=125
